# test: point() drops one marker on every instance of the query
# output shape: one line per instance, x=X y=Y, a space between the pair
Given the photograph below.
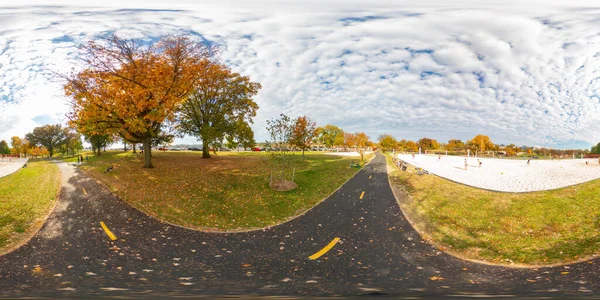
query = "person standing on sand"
x=528 y=162
x=466 y=164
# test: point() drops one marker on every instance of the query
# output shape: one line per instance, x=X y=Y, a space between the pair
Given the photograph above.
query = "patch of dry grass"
x=26 y=197
x=229 y=191
x=537 y=228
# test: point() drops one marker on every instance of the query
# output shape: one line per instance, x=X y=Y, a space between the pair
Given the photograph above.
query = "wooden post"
x=293 y=174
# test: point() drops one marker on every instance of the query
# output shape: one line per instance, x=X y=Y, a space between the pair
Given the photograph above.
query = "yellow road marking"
x=324 y=250
x=84 y=191
x=110 y=234
x=362 y=195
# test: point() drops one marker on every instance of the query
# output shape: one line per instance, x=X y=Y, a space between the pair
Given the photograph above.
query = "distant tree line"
x=480 y=144
x=44 y=141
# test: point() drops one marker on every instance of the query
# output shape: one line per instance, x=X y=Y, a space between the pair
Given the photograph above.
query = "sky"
x=522 y=72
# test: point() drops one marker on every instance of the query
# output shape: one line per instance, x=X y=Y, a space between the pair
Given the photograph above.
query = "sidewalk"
x=8 y=167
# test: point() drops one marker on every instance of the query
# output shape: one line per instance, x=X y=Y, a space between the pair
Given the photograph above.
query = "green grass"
x=538 y=228
x=229 y=191
x=26 y=196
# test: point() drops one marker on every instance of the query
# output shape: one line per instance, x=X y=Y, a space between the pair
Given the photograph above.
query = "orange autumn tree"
x=133 y=88
x=349 y=140
x=362 y=140
x=303 y=133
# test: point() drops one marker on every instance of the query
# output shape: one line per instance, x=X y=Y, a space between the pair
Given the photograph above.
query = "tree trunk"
x=147 y=154
x=51 y=150
x=205 y=151
x=302 y=153
x=134 y=151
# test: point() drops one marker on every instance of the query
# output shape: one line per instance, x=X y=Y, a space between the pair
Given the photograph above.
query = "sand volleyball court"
x=508 y=175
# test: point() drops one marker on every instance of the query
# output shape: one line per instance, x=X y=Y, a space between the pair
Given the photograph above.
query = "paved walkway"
x=10 y=165
x=378 y=253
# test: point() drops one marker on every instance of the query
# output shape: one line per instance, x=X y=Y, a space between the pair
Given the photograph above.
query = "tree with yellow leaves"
x=480 y=142
x=131 y=88
x=362 y=140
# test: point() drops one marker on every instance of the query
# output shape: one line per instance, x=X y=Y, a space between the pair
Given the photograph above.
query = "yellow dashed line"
x=324 y=250
x=84 y=192
x=362 y=195
x=110 y=234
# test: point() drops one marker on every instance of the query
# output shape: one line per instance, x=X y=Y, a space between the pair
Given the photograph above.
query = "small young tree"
x=281 y=131
x=303 y=133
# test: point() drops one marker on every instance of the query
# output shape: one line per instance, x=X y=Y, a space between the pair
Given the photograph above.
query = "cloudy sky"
x=524 y=73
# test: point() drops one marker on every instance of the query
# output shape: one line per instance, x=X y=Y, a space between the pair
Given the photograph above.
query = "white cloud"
x=523 y=73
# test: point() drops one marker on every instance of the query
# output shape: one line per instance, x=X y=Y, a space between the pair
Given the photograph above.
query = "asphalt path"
x=378 y=253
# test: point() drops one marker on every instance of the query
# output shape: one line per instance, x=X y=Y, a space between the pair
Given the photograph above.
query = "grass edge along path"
x=536 y=229
x=238 y=198
x=28 y=196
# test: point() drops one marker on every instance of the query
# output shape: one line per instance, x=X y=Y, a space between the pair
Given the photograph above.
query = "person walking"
x=528 y=162
x=466 y=164
x=479 y=162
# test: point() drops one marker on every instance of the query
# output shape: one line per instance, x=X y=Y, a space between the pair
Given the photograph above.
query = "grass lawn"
x=538 y=228
x=26 y=197
x=226 y=192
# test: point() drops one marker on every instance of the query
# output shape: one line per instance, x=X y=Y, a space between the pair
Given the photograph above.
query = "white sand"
x=8 y=167
x=509 y=175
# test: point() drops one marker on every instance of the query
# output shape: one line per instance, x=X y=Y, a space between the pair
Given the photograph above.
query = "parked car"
x=194 y=149
x=256 y=149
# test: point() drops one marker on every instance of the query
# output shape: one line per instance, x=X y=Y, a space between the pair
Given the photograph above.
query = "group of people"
x=80 y=159
x=467 y=163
